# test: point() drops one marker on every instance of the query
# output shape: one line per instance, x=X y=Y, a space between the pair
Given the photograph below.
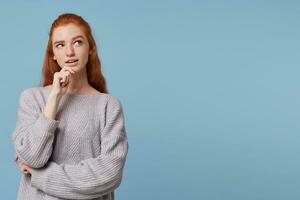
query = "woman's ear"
x=54 y=58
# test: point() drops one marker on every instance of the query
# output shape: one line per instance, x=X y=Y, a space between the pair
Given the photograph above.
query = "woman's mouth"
x=72 y=62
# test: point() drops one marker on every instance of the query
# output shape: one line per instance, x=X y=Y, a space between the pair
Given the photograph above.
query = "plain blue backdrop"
x=210 y=91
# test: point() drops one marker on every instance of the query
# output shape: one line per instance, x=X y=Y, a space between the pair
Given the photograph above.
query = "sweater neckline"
x=74 y=94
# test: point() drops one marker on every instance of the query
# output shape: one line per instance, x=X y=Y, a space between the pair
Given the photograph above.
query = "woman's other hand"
x=23 y=168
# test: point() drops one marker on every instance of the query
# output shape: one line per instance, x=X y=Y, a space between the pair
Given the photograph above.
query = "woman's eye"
x=78 y=42
x=59 y=45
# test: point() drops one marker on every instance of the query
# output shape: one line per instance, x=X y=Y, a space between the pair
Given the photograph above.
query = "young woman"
x=70 y=137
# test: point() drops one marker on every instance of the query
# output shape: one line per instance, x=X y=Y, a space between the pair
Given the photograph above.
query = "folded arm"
x=34 y=133
x=93 y=177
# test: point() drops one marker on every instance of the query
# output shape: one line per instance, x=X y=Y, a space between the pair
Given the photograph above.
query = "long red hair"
x=93 y=67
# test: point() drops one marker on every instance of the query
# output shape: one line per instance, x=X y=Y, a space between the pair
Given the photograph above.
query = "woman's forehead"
x=67 y=32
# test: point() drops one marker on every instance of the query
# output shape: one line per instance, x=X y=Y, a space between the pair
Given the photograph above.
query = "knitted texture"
x=78 y=155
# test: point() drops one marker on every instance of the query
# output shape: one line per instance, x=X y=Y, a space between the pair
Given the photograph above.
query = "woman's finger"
x=69 y=69
x=22 y=168
x=25 y=169
x=66 y=78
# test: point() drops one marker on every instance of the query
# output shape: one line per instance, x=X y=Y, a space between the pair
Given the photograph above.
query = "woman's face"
x=70 y=46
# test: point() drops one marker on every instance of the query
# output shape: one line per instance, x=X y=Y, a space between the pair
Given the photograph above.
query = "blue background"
x=210 y=91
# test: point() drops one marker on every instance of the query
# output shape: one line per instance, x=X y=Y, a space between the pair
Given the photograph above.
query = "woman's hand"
x=23 y=168
x=61 y=80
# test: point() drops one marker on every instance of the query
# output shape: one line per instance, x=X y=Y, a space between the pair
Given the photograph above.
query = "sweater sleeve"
x=34 y=132
x=93 y=177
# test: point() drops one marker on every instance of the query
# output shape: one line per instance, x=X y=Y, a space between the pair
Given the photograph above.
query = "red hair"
x=93 y=67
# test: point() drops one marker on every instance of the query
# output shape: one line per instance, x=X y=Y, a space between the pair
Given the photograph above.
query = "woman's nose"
x=69 y=50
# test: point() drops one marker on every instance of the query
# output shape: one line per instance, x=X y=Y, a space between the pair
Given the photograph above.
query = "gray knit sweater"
x=79 y=155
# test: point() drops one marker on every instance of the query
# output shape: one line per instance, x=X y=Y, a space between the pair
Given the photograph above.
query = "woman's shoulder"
x=30 y=95
x=30 y=90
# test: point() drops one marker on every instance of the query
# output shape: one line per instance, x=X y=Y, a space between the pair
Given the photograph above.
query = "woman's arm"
x=34 y=132
x=93 y=177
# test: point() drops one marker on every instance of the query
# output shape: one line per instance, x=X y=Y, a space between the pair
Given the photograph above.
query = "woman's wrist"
x=51 y=105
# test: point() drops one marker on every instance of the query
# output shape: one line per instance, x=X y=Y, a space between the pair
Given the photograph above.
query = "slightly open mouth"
x=72 y=62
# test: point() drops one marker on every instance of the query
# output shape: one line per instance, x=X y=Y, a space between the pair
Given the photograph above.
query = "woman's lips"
x=72 y=63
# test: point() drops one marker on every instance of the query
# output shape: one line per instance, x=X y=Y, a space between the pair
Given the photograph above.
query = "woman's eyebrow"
x=76 y=37
x=56 y=42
